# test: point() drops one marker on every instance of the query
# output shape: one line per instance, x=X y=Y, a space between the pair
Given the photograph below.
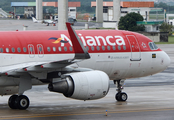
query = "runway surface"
x=144 y=103
x=13 y=25
x=149 y=98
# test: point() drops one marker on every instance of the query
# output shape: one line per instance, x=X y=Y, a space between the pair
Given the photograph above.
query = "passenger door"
x=135 y=48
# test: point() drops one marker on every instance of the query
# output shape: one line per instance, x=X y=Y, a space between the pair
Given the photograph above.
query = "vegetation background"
x=128 y=22
x=86 y=8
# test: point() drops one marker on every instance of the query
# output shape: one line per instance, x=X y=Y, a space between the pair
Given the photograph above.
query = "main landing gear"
x=18 y=102
x=120 y=96
x=21 y=101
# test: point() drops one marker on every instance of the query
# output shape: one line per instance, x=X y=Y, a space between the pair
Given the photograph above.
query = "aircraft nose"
x=166 y=60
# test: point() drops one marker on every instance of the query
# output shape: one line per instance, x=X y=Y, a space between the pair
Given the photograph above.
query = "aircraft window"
x=70 y=48
x=19 y=49
x=124 y=47
x=98 y=48
x=108 y=47
x=87 y=48
x=48 y=49
x=156 y=47
x=31 y=49
x=113 y=48
x=54 y=49
x=59 y=48
x=92 y=48
x=40 y=49
x=103 y=47
x=24 y=49
x=7 y=50
x=153 y=46
x=13 y=49
x=119 y=48
x=1 y=49
x=65 y=48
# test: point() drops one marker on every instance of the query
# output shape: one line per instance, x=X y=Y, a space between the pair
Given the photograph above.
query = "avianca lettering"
x=97 y=40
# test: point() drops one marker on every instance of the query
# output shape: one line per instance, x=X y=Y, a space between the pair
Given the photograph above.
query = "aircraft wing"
x=81 y=53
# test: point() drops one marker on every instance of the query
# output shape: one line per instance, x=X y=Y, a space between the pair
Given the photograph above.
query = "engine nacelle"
x=9 y=90
x=83 y=85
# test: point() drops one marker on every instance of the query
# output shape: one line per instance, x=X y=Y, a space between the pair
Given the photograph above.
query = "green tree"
x=128 y=22
x=169 y=7
x=165 y=27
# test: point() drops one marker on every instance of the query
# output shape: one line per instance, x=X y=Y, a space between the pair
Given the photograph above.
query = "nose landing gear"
x=120 y=96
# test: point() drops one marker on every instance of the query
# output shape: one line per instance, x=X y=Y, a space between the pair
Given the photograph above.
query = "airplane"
x=44 y=21
x=79 y=64
x=35 y=21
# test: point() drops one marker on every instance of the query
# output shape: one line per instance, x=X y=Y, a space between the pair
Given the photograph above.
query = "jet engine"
x=82 y=85
x=9 y=90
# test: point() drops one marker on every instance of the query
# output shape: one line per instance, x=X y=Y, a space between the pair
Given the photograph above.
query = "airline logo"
x=57 y=40
x=97 y=40
x=143 y=45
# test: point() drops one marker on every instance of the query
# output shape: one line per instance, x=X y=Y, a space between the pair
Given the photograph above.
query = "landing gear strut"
x=21 y=101
x=18 y=102
x=120 y=96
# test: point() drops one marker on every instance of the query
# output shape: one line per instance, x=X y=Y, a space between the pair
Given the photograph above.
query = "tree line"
x=168 y=8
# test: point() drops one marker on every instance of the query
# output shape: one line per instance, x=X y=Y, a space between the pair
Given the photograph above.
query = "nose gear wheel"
x=120 y=96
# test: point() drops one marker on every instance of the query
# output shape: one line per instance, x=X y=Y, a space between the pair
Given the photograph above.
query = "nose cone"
x=160 y=63
x=166 y=60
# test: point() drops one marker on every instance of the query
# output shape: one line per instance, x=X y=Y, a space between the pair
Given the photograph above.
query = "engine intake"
x=82 y=85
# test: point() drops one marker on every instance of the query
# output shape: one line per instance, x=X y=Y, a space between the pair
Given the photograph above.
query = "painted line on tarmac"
x=88 y=113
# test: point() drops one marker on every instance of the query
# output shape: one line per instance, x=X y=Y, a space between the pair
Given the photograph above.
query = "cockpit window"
x=153 y=46
x=156 y=47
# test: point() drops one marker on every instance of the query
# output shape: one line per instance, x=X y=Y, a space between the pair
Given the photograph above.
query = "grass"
x=170 y=41
x=160 y=16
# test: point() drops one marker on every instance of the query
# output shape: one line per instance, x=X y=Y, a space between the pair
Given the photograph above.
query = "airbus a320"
x=79 y=64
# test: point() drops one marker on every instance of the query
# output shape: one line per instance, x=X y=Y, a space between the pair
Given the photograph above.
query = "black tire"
x=121 y=96
x=22 y=102
x=11 y=101
x=117 y=96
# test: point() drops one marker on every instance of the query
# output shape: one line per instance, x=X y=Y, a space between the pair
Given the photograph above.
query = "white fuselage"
x=116 y=65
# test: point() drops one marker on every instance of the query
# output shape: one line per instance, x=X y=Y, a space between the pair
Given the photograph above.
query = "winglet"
x=79 y=49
